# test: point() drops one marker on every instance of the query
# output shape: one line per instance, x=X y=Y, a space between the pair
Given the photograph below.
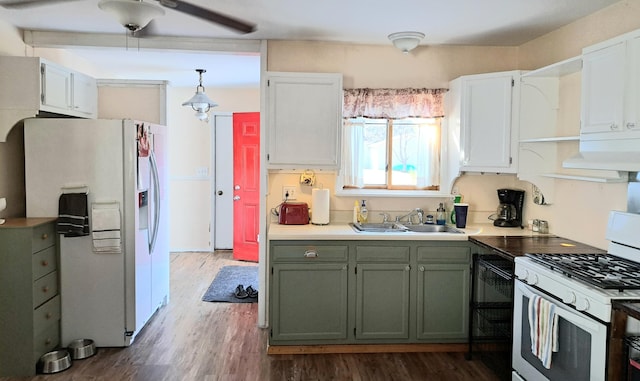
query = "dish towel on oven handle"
x=543 y=323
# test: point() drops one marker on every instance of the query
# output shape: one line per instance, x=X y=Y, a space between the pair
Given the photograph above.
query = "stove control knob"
x=582 y=304
x=569 y=297
x=522 y=274
x=532 y=279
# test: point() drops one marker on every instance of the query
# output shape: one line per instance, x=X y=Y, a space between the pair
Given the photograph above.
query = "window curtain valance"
x=393 y=103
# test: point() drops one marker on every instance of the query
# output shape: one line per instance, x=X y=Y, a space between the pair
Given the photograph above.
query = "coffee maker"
x=509 y=214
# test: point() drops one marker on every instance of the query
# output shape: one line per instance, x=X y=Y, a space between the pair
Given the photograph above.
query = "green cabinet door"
x=382 y=291
x=382 y=301
x=309 y=303
x=443 y=294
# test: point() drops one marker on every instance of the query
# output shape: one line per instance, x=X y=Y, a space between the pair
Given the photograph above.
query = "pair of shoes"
x=252 y=292
x=241 y=293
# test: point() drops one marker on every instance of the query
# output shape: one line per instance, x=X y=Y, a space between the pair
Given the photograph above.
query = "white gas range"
x=581 y=287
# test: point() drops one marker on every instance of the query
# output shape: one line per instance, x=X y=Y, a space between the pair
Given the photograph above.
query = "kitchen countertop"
x=342 y=231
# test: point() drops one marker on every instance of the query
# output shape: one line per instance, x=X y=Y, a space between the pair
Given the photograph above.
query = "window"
x=391 y=142
x=394 y=154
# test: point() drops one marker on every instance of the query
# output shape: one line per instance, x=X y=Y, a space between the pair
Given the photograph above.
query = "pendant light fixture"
x=200 y=102
x=132 y=14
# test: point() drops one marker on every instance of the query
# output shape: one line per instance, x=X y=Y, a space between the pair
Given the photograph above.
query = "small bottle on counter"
x=440 y=215
x=364 y=213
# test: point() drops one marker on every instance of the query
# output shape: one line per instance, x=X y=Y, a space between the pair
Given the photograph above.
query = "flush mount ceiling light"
x=132 y=14
x=200 y=102
x=406 y=41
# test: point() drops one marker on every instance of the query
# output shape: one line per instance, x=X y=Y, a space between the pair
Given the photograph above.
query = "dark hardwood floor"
x=193 y=340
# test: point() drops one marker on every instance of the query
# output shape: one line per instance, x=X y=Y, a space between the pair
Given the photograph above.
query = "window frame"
x=446 y=178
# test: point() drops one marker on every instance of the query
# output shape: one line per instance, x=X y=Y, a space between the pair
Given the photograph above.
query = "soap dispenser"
x=364 y=213
x=440 y=215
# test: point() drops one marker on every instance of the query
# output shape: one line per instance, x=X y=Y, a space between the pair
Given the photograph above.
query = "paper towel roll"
x=319 y=206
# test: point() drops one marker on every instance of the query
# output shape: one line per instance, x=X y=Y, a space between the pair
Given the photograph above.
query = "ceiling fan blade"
x=19 y=4
x=206 y=14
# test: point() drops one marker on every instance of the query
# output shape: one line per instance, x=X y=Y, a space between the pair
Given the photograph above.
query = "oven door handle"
x=563 y=311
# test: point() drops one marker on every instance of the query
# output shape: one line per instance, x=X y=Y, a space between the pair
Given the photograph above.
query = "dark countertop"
x=515 y=246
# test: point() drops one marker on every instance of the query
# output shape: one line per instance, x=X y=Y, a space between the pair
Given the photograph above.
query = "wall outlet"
x=289 y=192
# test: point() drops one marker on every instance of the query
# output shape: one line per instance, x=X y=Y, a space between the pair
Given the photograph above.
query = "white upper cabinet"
x=67 y=92
x=38 y=85
x=483 y=115
x=610 y=93
x=304 y=117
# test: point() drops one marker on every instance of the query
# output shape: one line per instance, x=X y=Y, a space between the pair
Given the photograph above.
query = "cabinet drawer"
x=46 y=314
x=382 y=254
x=45 y=288
x=46 y=341
x=43 y=262
x=447 y=254
x=309 y=253
x=43 y=236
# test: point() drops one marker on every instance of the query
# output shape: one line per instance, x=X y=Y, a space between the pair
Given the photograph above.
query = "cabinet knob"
x=44 y=263
x=45 y=289
x=407 y=268
x=45 y=236
x=310 y=254
x=47 y=341
x=48 y=316
x=421 y=268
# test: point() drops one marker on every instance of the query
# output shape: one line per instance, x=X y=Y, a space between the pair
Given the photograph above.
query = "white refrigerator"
x=108 y=292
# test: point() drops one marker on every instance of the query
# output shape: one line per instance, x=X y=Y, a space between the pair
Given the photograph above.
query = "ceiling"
x=467 y=22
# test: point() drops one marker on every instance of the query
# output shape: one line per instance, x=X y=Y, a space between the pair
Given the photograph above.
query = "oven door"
x=582 y=343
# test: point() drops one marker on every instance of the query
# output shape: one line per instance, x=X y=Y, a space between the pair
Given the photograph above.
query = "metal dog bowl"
x=81 y=349
x=54 y=361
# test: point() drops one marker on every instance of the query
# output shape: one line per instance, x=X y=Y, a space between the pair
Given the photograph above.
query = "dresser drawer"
x=46 y=341
x=45 y=288
x=43 y=262
x=43 y=236
x=46 y=314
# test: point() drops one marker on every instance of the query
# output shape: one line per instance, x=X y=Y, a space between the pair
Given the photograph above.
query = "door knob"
x=236 y=198
x=220 y=193
x=237 y=187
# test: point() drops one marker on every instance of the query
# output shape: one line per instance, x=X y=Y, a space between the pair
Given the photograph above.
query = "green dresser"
x=30 y=313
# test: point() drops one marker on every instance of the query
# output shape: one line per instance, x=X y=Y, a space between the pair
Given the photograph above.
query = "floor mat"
x=223 y=287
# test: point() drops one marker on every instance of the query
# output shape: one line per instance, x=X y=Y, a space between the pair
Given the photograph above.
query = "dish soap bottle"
x=440 y=215
x=356 y=212
x=364 y=213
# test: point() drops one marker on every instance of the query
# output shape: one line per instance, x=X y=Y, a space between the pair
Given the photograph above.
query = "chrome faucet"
x=417 y=211
x=385 y=217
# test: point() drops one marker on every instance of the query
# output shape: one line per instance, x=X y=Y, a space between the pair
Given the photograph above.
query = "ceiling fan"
x=126 y=8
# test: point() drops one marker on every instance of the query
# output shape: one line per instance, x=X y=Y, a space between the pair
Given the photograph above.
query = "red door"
x=246 y=185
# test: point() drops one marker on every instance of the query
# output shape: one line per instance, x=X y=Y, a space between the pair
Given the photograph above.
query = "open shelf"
x=558 y=69
x=620 y=179
x=552 y=139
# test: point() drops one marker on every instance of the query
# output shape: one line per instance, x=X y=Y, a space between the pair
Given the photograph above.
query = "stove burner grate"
x=605 y=271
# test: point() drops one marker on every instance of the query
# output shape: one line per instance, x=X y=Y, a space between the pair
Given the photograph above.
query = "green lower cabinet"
x=382 y=301
x=375 y=292
x=443 y=294
x=309 y=302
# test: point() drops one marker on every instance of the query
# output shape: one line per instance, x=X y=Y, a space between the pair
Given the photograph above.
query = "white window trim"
x=448 y=175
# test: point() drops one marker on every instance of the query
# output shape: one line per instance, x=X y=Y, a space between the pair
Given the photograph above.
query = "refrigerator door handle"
x=153 y=231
